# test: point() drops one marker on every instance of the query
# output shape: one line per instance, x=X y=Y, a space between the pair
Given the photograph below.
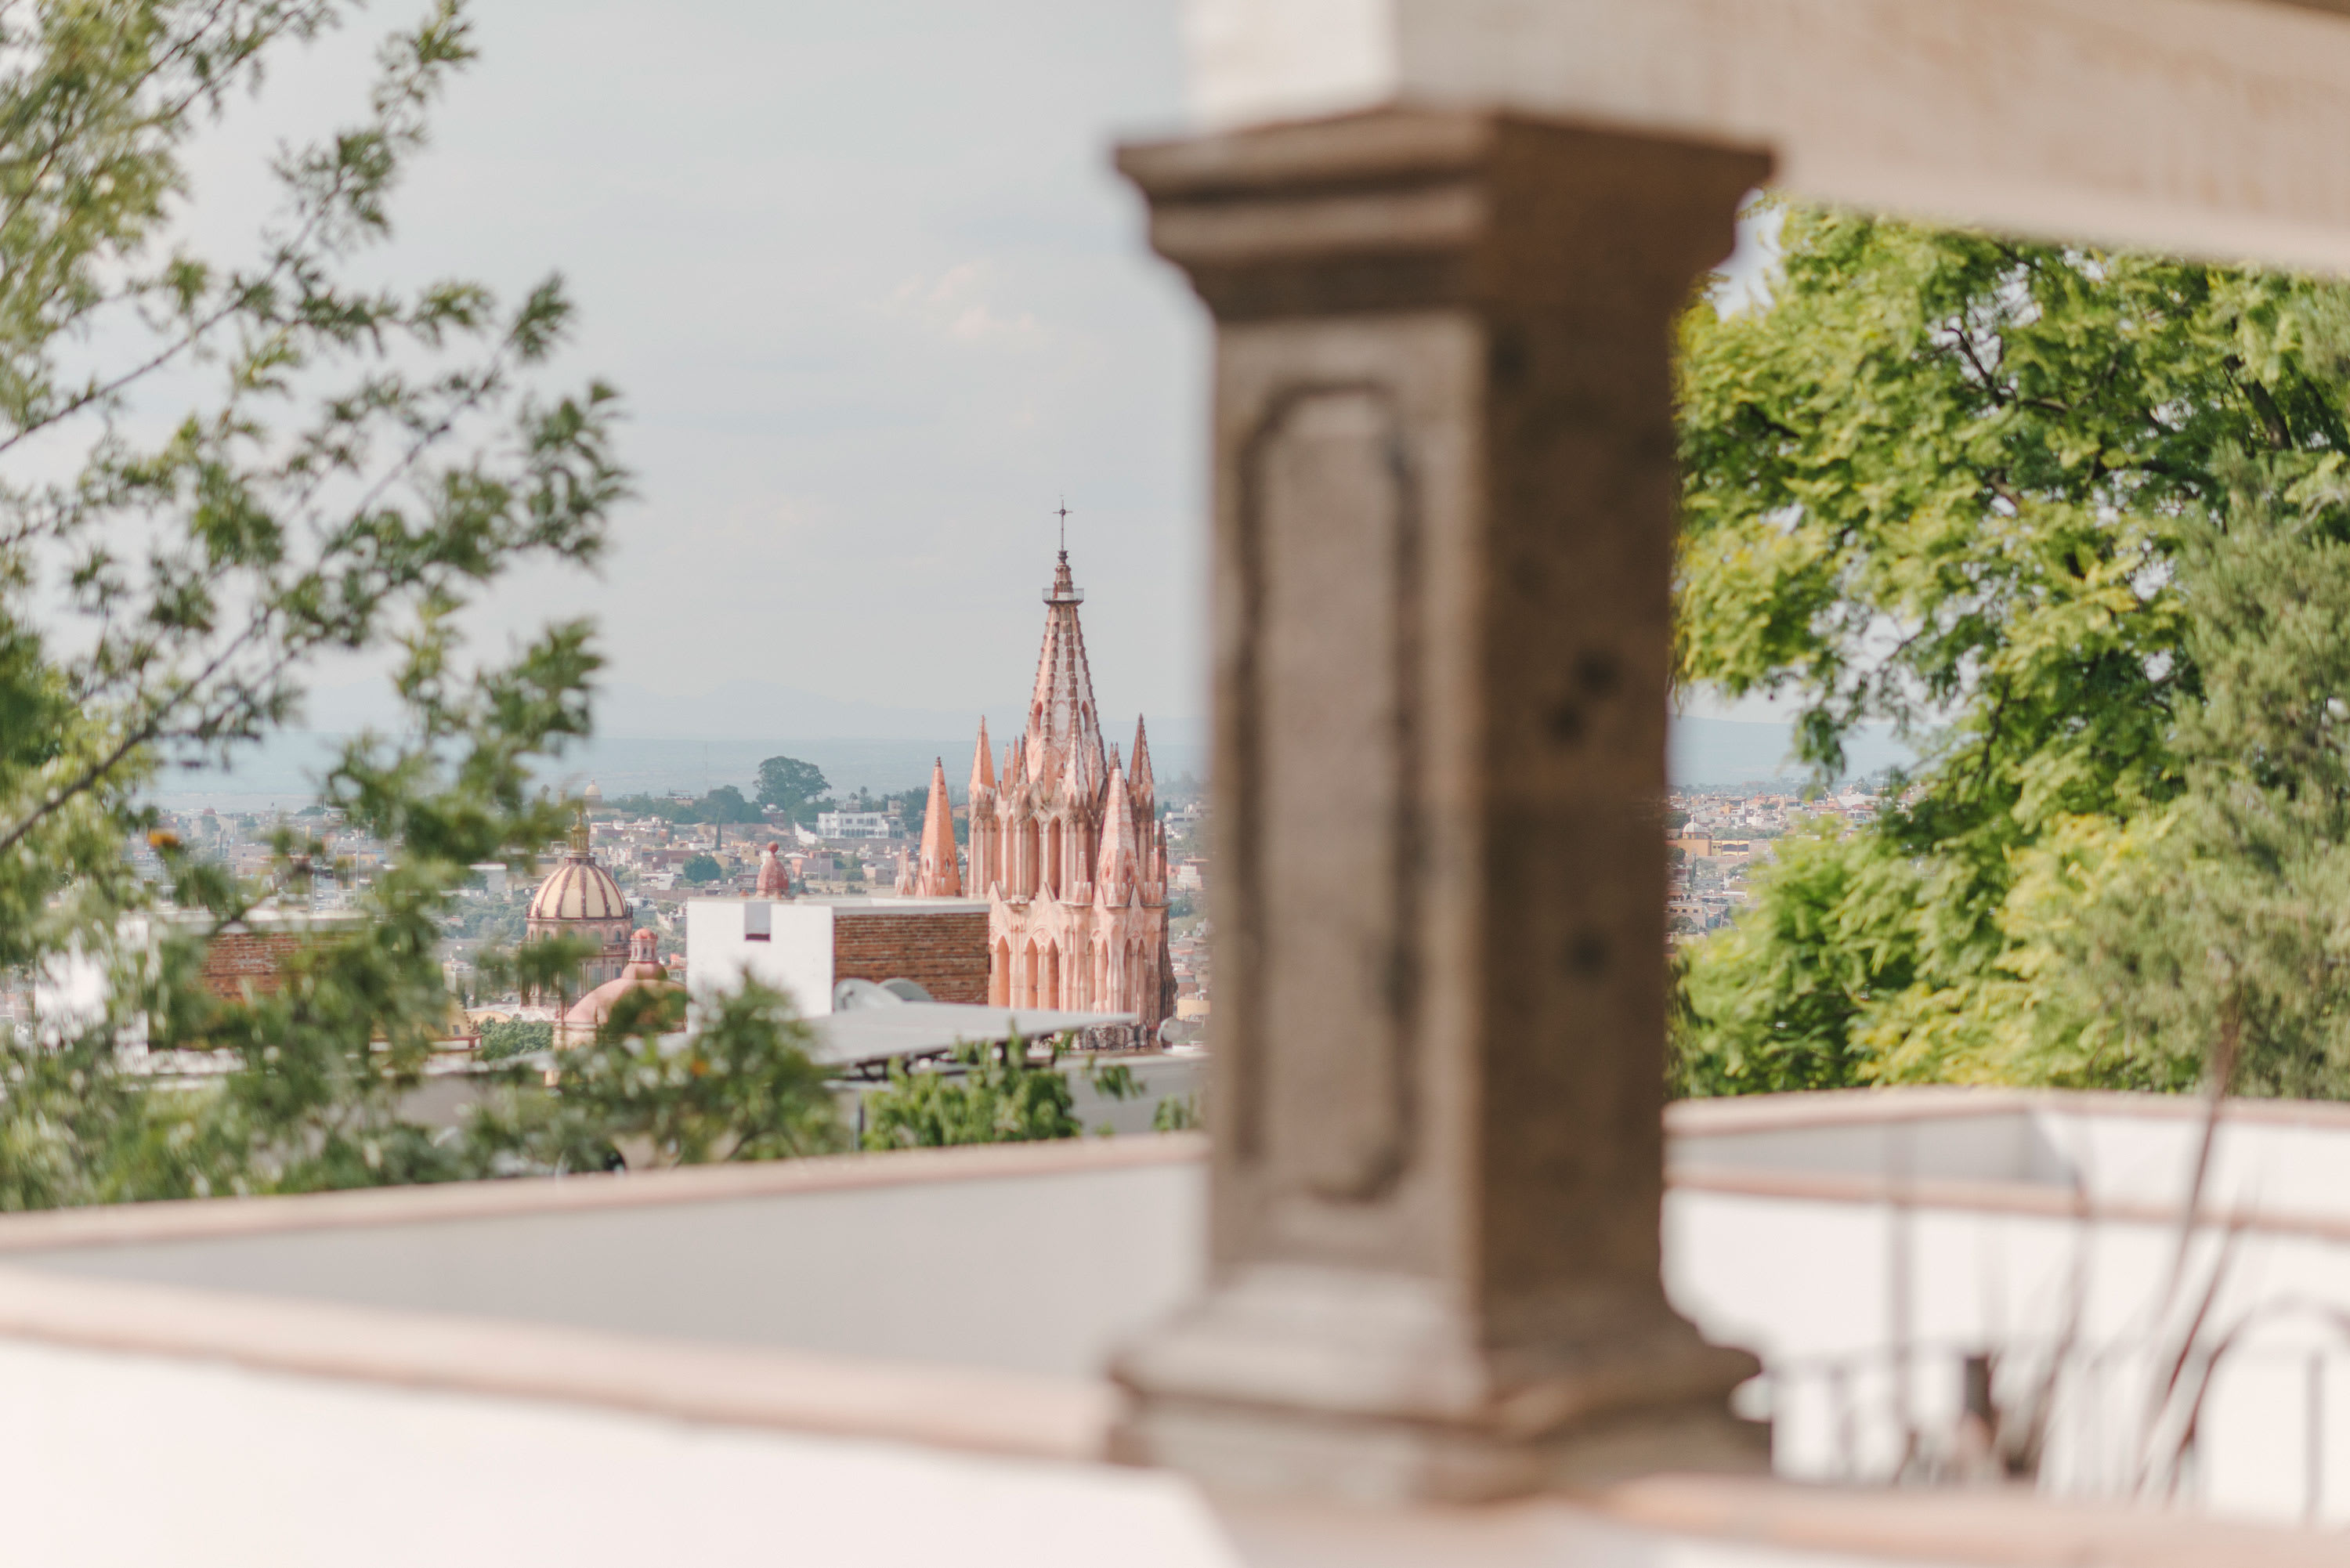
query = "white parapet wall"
x=1865 y=1245
x=897 y=1359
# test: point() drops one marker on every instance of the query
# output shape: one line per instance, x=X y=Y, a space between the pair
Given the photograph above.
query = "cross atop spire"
x=1064 y=589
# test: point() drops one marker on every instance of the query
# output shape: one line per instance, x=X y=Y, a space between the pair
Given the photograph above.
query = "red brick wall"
x=238 y=959
x=943 y=950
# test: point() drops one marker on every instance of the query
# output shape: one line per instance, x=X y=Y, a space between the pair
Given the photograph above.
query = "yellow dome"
x=579 y=890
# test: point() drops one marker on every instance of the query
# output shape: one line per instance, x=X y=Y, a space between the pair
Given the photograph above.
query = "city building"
x=1065 y=845
x=855 y=825
x=808 y=946
x=578 y=1024
x=580 y=899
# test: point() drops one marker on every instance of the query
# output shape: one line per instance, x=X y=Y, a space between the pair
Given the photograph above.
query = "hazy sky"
x=876 y=302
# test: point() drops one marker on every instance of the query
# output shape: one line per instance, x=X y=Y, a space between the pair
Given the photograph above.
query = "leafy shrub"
x=508 y=1037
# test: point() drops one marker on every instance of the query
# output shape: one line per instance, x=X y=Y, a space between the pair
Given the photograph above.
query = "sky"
x=876 y=305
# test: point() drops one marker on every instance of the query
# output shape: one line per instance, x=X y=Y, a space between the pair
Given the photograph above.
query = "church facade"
x=1065 y=846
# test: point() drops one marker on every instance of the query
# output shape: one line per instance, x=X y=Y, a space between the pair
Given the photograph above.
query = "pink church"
x=1065 y=846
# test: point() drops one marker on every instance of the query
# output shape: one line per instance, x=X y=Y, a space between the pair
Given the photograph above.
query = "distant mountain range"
x=625 y=711
x=653 y=741
x=1711 y=753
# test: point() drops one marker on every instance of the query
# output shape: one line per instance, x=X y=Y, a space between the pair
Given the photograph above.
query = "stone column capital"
x=1404 y=208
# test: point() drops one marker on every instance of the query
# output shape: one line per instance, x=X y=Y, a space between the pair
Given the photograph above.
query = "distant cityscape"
x=664 y=850
x=1720 y=835
x=1090 y=868
x=1085 y=890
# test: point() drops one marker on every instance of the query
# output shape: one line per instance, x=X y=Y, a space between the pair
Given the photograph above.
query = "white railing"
x=2247 y=1428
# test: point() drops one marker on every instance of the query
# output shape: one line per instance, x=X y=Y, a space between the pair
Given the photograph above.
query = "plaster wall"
x=2201 y=126
x=1037 y=1271
x=125 y=1462
x=1039 y=1274
x=2046 y=1223
x=2115 y=1150
x=796 y=957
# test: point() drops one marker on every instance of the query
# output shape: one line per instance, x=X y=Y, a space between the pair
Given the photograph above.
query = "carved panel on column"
x=1329 y=646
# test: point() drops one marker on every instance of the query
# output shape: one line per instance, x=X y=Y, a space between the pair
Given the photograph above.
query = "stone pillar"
x=1445 y=494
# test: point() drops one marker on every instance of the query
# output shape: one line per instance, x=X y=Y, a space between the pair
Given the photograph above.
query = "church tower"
x=1065 y=845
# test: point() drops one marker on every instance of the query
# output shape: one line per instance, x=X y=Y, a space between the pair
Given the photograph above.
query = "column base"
x=1302 y=1381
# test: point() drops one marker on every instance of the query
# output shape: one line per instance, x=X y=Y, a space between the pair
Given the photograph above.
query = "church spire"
x=1114 y=878
x=1061 y=715
x=936 y=874
x=982 y=764
x=1145 y=787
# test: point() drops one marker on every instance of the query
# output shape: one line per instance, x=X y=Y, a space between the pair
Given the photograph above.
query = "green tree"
x=701 y=868
x=995 y=1095
x=642 y=1093
x=725 y=803
x=508 y=1037
x=795 y=788
x=1991 y=491
x=909 y=807
x=338 y=463
x=2215 y=932
x=996 y=1098
x=664 y=807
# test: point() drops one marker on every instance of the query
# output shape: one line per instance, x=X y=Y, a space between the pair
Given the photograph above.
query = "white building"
x=805 y=947
x=856 y=825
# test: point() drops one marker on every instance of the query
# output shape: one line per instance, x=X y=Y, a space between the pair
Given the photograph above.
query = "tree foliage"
x=2073 y=521
x=508 y=1037
x=724 y=805
x=212 y=473
x=995 y=1095
x=740 y=1087
x=795 y=788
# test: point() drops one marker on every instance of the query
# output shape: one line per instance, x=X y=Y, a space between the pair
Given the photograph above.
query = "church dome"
x=588 y=1014
x=591 y=797
x=579 y=889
